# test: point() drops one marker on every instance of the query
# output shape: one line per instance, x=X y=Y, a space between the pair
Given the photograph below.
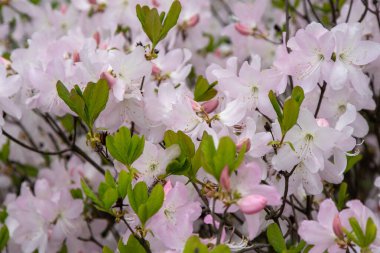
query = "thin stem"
x=323 y=89
x=349 y=11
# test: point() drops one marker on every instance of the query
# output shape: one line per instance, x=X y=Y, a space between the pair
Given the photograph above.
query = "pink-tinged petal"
x=313 y=233
x=253 y=225
x=365 y=52
x=271 y=194
x=240 y=144
x=337 y=227
x=252 y=204
x=168 y=187
x=243 y=29
x=327 y=213
x=225 y=179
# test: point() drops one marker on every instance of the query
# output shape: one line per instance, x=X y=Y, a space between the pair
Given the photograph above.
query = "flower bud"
x=195 y=105
x=63 y=8
x=337 y=227
x=76 y=56
x=225 y=179
x=109 y=78
x=240 y=144
x=322 y=122
x=155 y=70
x=252 y=204
x=210 y=106
x=243 y=29
x=92 y=1
x=96 y=37
x=155 y=3
x=193 y=21
x=167 y=187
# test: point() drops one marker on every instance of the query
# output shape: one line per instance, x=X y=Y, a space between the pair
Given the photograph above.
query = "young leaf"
x=342 y=196
x=138 y=196
x=193 y=244
x=153 y=26
x=275 y=238
x=298 y=95
x=71 y=99
x=133 y=245
x=220 y=249
x=124 y=148
x=109 y=198
x=358 y=232
x=291 y=111
x=123 y=183
x=203 y=90
x=109 y=179
x=276 y=106
x=171 y=18
x=4 y=237
x=107 y=250
x=95 y=96
x=370 y=232
x=90 y=194
x=155 y=200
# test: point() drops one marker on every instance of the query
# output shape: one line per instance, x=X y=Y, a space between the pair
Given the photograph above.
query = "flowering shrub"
x=189 y=126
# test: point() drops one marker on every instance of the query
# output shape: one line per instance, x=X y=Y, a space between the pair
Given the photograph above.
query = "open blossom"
x=173 y=224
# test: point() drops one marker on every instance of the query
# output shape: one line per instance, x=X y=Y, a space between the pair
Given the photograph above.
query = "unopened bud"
x=109 y=78
x=167 y=187
x=92 y=1
x=156 y=70
x=195 y=105
x=322 y=122
x=193 y=21
x=337 y=227
x=252 y=204
x=225 y=179
x=243 y=29
x=96 y=37
x=240 y=144
x=210 y=106
x=155 y=3
x=63 y=8
x=76 y=56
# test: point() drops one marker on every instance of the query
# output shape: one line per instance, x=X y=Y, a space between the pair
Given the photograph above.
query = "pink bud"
x=243 y=29
x=155 y=3
x=210 y=106
x=193 y=21
x=195 y=105
x=322 y=122
x=63 y=8
x=167 y=187
x=252 y=204
x=156 y=70
x=76 y=56
x=337 y=227
x=92 y=1
x=240 y=144
x=225 y=179
x=109 y=78
x=96 y=37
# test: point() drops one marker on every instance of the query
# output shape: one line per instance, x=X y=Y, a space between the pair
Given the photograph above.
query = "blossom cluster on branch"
x=189 y=126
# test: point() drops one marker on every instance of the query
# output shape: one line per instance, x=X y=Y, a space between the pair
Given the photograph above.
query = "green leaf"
x=185 y=143
x=63 y=248
x=194 y=245
x=155 y=200
x=124 y=181
x=171 y=18
x=275 y=238
x=225 y=155
x=95 y=96
x=153 y=26
x=72 y=100
x=276 y=106
x=298 y=95
x=124 y=148
x=370 y=232
x=352 y=161
x=4 y=237
x=133 y=245
x=138 y=196
x=203 y=90
x=3 y=215
x=110 y=181
x=5 y=150
x=76 y=193
x=221 y=249
x=358 y=232
x=109 y=198
x=291 y=111
x=107 y=250
x=342 y=196
x=90 y=194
